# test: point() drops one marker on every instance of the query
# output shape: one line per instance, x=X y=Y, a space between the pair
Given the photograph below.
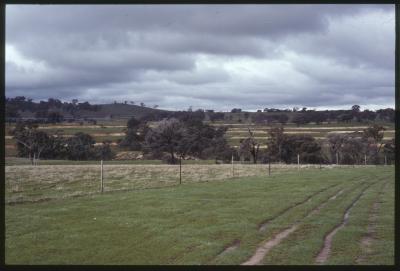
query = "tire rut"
x=263 y=225
x=370 y=235
x=324 y=253
x=236 y=243
x=263 y=250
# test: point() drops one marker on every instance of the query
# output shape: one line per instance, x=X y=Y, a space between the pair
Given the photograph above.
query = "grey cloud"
x=150 y=53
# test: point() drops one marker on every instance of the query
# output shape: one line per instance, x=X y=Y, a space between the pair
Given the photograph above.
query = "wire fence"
x=47 y=182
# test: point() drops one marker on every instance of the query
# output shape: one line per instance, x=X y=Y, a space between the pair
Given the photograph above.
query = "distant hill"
x=103 y=111
x=117 y=111
x=21 y=107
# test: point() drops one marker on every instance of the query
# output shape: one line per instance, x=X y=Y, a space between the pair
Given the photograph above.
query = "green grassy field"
x=210 y=222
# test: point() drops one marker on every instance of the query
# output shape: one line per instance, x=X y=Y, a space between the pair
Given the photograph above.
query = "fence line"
x=37 y=183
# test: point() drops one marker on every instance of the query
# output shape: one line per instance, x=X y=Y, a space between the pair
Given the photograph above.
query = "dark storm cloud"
x=218 y=55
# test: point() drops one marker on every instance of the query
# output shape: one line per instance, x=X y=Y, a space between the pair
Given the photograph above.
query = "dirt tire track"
x=236 y=243
x=266 y=247
x=262 y=250
x=232 y=246
x=370 y=235
x=324 y=253
x=263 y=225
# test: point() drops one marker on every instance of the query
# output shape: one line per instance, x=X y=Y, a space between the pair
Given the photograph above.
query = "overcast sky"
x=204 y=56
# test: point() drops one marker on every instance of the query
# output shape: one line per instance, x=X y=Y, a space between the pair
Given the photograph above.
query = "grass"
x=193 y=223
x=45 y=182
x=304 y=245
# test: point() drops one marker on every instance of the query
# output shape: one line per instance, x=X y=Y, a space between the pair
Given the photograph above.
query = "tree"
x=304 y=145
x=352 y=150
x=274 y=143
x=300 y=119
x=80 y=146
x=345 y=117
x=55 y=117
x=30 y=141
x=216 y=116
x=41 y=114
x=373 y=136
x=133 y=123
x=335 y=143
x=389 y=150
x=166 y=137
x=12 y=111
x=218 y=147
x=355 y=108
x=103 y=152
x=250 y=145
x=142 y=104
x=135 y=134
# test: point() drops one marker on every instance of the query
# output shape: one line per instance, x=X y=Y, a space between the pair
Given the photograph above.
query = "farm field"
x=279 y=219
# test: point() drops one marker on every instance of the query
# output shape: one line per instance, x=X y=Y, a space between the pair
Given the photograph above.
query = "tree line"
x=47 y=111
x=51 y=111
x=35 y=144
x=186 y=135
x=350 y=148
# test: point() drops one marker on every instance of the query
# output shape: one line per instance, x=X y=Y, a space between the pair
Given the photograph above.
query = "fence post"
x=365 y=159
x=298 y=161
x=385 y=161
x=180 y=170
x=337 y=159
x=233 y=172
x=269 y=166
x=101 y=176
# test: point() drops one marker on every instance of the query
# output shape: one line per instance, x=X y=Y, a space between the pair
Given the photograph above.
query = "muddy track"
x=263 y=225
x=370 y=235
x=230 y=247
x=317 y=209
x=260 y=253
x=236 y=243
x=326 y=249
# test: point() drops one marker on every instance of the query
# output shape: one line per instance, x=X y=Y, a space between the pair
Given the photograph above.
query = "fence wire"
x=48 y=182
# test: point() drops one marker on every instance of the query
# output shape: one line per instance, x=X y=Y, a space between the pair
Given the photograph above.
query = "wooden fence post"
x=337 y=159
x=269 y=166
x=298 y=161
x=385 y=161
x=180 y=170
x=233 y=172
x=365 y=159
x=101 y=176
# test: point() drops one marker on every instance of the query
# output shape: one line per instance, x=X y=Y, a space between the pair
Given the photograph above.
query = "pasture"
x=284 y=218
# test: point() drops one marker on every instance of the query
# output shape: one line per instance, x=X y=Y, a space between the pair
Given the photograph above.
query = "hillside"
x=104 y=111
